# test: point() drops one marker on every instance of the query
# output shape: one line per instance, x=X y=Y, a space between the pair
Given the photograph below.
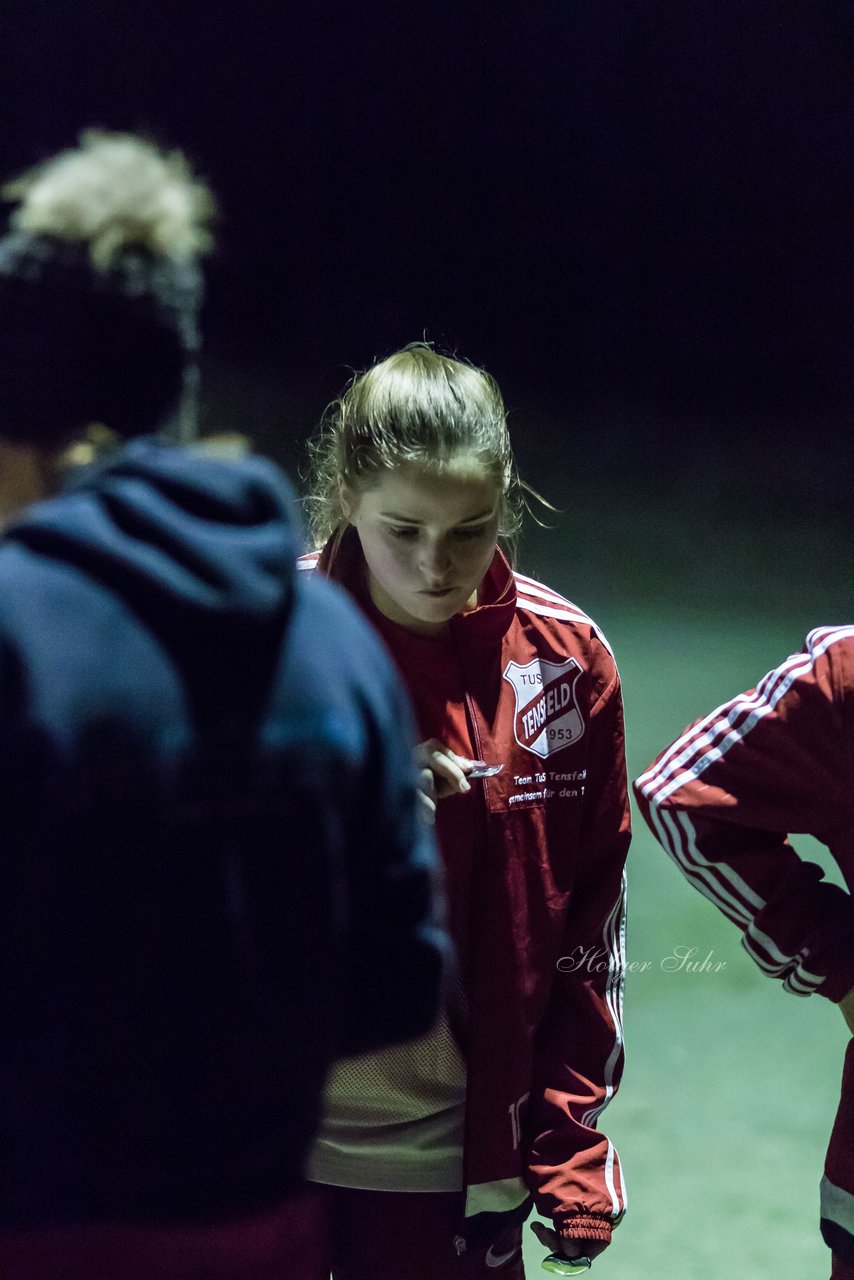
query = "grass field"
x=731 y=1084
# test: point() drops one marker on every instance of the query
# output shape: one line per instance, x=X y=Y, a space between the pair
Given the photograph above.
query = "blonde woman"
x=430 y=1155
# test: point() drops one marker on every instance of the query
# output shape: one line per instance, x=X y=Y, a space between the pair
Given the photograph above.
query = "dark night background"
x=636 y=213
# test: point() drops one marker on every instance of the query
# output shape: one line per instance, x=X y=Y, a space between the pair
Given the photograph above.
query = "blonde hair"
x=115 y=192
x=417 y=406
x=100 y=293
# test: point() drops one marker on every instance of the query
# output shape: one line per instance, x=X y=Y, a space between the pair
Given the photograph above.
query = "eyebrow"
x=400 y=519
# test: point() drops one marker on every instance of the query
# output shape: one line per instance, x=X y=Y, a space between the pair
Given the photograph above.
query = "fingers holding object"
x=448 y=769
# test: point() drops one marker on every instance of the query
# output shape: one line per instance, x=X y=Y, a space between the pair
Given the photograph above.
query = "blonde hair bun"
x=116 y=192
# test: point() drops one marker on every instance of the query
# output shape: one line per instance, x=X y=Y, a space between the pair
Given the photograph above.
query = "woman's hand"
x=846 y=1004
x=550 y=1240
x=442 y=773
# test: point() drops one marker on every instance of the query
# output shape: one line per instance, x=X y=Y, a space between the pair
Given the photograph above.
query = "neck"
x=27 y=475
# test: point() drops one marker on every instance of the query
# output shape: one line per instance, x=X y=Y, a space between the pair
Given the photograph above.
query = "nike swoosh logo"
x=494 y=1259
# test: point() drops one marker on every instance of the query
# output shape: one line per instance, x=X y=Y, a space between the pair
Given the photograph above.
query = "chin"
x=442 y=608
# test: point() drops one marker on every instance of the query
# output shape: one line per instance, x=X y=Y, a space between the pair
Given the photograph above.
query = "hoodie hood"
x=200 y=550
x=199 y=538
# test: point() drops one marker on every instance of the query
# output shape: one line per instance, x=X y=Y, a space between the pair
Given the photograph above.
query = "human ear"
x=347 y=499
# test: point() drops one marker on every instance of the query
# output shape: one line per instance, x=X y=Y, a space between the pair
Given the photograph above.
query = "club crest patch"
x=547 y=715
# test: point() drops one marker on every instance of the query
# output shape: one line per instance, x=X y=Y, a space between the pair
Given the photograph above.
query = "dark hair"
x=100 y=289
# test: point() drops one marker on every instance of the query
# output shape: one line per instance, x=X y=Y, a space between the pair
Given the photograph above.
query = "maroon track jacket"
x=722 y=800
x=544 y=1045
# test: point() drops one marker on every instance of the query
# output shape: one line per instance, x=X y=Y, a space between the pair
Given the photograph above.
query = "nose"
x=435 y=562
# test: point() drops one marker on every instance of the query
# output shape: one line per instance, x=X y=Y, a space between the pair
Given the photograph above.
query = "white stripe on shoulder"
x=712 y=737
x=533 y=588
x=697 y=745
x=545 y=603
x=700 y=735
x=820 y=639
x=551 y=611
x=550 y=605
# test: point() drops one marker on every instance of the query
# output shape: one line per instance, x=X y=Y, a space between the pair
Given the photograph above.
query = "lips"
x=437 y=593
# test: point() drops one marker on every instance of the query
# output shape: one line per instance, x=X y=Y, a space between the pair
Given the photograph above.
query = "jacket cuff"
x=584 y=1226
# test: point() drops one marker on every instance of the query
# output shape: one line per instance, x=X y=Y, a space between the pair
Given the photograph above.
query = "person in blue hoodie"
x=213 y=877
